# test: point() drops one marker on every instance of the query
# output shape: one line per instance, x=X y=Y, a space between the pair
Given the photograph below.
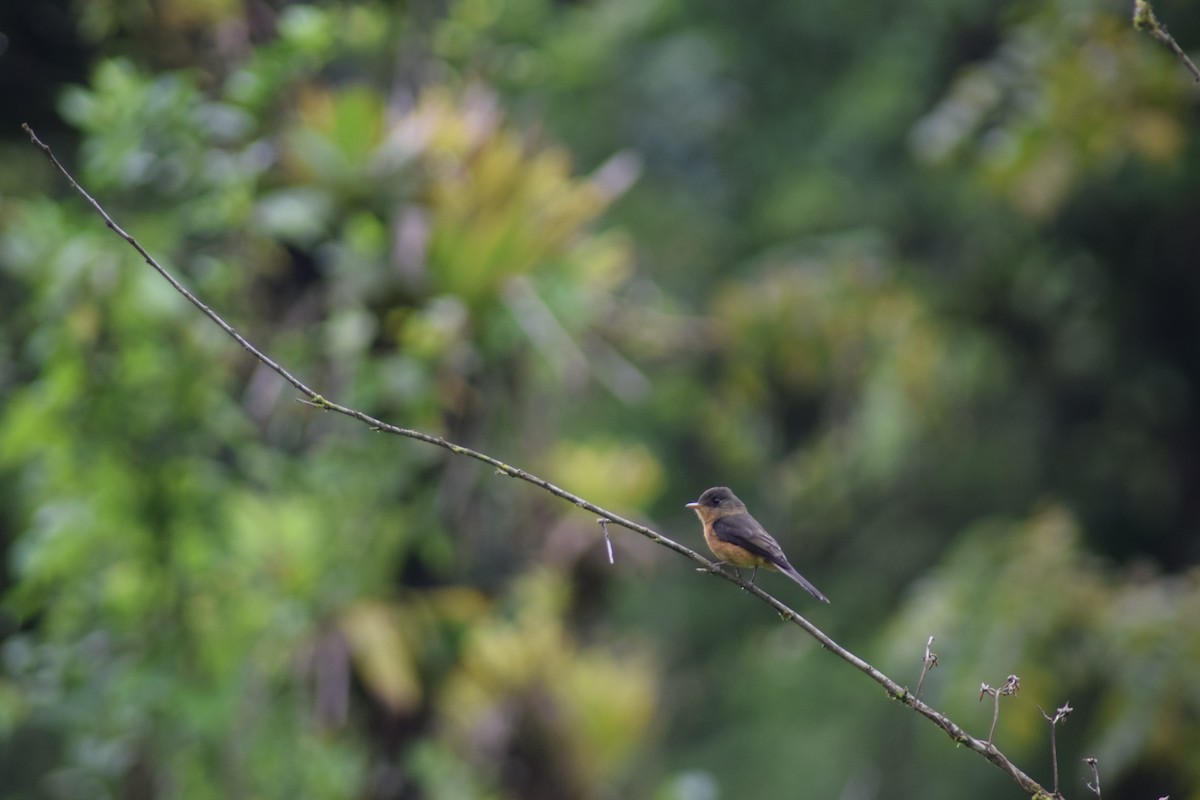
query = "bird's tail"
x=790 y=571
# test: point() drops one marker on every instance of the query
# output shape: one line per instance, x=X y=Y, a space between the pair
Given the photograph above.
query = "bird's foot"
x=718 y=568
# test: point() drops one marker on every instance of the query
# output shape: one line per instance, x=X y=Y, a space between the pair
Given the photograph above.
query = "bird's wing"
x=744 y=531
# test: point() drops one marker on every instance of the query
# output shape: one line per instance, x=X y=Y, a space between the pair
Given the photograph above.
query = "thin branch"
x=1010 y=687
x=1094 y=784
x=1145 y=20
x=311 y=397
x=1059 y=715
x=607 y=539
x=927 y=663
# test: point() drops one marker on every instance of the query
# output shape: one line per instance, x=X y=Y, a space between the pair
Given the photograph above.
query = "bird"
x=739 y=539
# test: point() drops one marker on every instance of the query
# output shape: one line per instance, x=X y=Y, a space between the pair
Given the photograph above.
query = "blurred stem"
x=312 y=398
x=1145 y=20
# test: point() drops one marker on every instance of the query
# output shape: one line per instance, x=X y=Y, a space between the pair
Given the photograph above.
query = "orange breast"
x=732 y=554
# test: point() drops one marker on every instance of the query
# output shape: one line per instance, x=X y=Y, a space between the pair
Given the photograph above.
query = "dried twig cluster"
x=1011 y=686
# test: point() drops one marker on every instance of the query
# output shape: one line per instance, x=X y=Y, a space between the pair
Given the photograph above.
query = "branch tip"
x=1144 y=19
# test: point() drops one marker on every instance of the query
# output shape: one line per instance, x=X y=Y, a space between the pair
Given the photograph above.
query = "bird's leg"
x=753 y=575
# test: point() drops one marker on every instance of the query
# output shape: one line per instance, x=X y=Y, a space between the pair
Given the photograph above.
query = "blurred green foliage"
x=917 y=281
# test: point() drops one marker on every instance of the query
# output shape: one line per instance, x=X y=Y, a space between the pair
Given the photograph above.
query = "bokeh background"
x=920 y=281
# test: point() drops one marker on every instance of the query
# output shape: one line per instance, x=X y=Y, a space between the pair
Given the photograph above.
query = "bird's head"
x=718 y=501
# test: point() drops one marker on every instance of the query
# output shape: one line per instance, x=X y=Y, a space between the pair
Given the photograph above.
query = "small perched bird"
x=737 y=538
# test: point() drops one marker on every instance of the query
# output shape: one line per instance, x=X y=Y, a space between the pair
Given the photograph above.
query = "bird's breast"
x=732 y=553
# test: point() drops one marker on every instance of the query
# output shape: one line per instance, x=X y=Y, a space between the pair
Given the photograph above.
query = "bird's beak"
x=692 y=505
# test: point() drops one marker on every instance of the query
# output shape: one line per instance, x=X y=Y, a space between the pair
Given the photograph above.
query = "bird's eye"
x=716 y=501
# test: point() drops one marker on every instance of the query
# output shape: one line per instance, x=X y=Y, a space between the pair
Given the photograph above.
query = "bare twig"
x=1094 y=784
x=1145 y=20
x=927 y=663
x=1059 y=715
x=607 y=539
x=1010 y=687
x=312 y=398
